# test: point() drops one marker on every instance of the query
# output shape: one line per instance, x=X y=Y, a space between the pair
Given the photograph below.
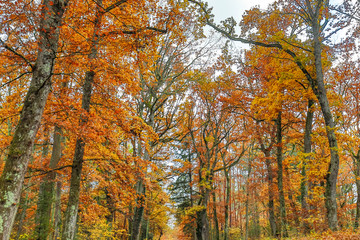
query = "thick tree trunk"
x=47 y=190
x=279 y=158
x=203 y=228
x=12 y=178
x=202 y=220
x=320 y=91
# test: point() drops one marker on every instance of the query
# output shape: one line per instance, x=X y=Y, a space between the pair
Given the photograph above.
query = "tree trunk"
x=273 y=227
x=57 y=212
x=279 y=158
x=138 y=212
x=356 y=161
x=247 y=201
x=17 y=161
x=23 y=215
x=47 y=190
x=304 y=188
x=216 y=221
x=203 y=229
x=227 y=203
x=202 y=221
x=69 y=226
x=320 y=92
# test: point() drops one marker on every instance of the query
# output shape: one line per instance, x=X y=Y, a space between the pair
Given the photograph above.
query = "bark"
x=138 y=212
x=57 y=213
x=307 y=150
x=356 y=161
x=247 y=201
x=279 y=158
x=227 y=204
x=69 y=226
x=12 y=178
x=202 y=221
x=273 y=226
x=320 y=92
x=47 y=191
x=216 y=221
x=203 y=229
x=256 y=222
x=191 y=194
x=22 y=216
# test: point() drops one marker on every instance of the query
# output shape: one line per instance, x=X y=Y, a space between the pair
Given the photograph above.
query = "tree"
x=12 y=177
x=312 y=13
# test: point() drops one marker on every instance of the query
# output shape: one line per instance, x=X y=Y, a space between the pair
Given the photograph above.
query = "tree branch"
x=7 y=47
x=257 y=43
x=12 y=80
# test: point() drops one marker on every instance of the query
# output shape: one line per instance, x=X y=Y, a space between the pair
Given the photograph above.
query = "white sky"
x=223 y=9
x=235 y=8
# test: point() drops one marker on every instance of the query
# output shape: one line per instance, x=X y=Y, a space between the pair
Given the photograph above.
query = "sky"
x=234 y=8
x=223 y=9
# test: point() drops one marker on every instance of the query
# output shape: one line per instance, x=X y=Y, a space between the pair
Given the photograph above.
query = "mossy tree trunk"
x=20 y=149
x=47 y=191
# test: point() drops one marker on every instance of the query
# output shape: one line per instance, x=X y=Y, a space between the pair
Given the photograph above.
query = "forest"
x=149 y=119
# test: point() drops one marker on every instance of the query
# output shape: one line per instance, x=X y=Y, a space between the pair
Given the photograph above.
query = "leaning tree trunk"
x=12 y=178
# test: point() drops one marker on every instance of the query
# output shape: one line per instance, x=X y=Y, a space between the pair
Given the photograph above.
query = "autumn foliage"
x=131 y=119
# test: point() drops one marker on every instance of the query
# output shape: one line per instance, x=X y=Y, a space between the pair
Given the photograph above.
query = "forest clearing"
x=150 y=119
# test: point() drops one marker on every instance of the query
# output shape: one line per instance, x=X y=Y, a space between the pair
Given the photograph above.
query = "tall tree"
x=312 y=15
x=12 y=178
